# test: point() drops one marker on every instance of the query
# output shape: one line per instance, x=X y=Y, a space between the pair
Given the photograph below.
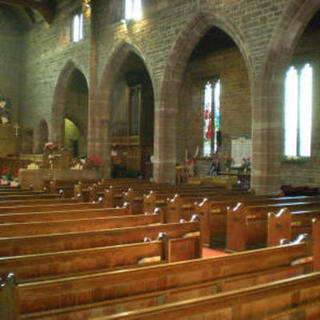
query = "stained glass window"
x=298 y=111
x=211 y=112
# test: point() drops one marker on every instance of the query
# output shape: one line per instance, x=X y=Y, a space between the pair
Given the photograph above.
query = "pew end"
x=279 y=227
x=8 y=307
x=316 y=244
x=236 y=228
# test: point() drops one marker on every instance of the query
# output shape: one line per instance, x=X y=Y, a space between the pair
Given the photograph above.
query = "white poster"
x=240 y=148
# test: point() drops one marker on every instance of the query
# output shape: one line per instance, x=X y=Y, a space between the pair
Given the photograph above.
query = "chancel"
x=159 y=159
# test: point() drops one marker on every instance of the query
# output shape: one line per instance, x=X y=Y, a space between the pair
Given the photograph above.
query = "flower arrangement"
x=5 y=176
x=93 y=161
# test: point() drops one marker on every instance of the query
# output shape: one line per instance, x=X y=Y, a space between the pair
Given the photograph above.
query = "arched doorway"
x=121 y=117
x=214 y=103
x=167 y=106
x=76 y=115
x=268 y=100
x=132 y=120
x=70 y=111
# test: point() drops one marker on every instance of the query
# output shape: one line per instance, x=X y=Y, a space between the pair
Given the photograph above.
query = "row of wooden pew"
x=61 y=259
x=178 y=289
x=245 y=226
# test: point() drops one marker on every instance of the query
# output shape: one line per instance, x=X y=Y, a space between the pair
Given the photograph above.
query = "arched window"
x=77 y=27
x=133 y=10
x=211 y=115
x=298 y=111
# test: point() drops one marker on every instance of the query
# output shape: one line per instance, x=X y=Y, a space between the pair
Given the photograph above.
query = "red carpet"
x=207 y=252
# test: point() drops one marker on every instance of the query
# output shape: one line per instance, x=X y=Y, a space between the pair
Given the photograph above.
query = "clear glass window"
x=77 y=27
x=298 y=111
x=133 y=10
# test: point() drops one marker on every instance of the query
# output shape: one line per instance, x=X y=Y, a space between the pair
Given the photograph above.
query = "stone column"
x=164 y=164
x=57 y=133
x=267 y=134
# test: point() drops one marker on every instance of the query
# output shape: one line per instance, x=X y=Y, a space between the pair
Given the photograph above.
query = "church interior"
x=159 y=159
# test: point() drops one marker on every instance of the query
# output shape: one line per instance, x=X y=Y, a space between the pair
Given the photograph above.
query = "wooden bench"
x=247 y=225
x=87 y=239
x=286 y=224
x=120 y=291
x=296 y=298
x=75 y=225
x=24 y=197
x=62 y=215
x=214 y=212
x=159 y=199
x=46 y=266
x=115 y=195
x=52 y=206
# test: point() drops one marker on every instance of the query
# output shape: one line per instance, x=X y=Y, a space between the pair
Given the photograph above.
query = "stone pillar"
x=267 y=134
x=164 y=164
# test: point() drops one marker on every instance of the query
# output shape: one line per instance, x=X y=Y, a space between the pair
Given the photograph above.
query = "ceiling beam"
x=46 y=10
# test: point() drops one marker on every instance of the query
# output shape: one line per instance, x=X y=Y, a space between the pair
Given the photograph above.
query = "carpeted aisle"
x=207 y=252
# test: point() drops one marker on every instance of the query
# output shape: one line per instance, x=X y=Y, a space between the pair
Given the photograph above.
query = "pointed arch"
x=167 y=101
x=99 y=140
x=187 y=41
x=268 y=96
x=111 y=71
x=59 y=101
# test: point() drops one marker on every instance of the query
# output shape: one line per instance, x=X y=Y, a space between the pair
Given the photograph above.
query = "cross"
x=17 y=128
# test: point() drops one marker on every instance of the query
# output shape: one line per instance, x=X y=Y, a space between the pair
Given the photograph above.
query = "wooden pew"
x=62 y=215
x=106 y=292
x=24 y=197
x=34 y=202
x=214 y=212
x=75 y=225
x=140 y=194
x=288 y=224
x=247 y=225
x=67 y=186
x=92 y=191
x=296 y=298
x=51 y=206
x=71 y=263
x=159 y=199
x=99 y=238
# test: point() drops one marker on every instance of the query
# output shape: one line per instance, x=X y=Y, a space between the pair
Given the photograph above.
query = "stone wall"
x=228 y=65
x=164 y=39
x=48 y=50
x=11 y=36
x=308 y=172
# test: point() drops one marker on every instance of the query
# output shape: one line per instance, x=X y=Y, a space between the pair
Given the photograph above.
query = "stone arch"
x=41 y=136
x=268 y=96
x=99 y=141
x=59 y=99
x=167 y=101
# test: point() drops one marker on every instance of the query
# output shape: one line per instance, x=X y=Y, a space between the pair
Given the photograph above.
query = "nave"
x=188 y=257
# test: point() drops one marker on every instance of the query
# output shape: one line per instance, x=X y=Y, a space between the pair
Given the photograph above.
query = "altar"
x=36 y=178
x=57 y=165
